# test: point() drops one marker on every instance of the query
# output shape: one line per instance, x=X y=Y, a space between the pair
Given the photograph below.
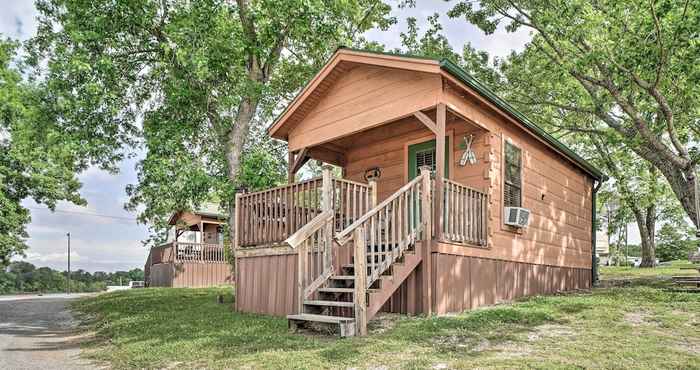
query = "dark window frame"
x=509 y=183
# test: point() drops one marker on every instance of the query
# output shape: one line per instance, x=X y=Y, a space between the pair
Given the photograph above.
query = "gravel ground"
x=39 y=333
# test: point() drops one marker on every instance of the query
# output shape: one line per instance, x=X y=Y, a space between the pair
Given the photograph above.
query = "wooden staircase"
x=387 y=245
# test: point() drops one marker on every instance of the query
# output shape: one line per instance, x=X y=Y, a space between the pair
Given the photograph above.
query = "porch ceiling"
x=334 y=152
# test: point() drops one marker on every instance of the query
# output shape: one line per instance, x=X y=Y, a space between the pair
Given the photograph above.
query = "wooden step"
x=320 y=318
x=329 y=303
x=342 y=277
x=336 y=290
x=346 y=325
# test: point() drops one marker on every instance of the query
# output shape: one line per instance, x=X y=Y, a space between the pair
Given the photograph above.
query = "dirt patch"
x=692 y=347
x=549 y=331
x=636 y=318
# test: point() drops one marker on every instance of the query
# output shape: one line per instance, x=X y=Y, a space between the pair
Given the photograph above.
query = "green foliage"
x=675 y=242
x=618 y=71
x=39 y=156
x=201 y=74
x=24 y=277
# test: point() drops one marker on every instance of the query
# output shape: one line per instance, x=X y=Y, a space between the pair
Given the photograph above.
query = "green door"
x=423 y=154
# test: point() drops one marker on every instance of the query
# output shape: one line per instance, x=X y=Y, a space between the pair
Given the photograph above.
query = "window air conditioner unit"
x=517 y=216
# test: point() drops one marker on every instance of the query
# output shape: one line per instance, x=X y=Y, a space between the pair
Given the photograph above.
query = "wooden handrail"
x=347 y=234
x=307 y=230
x=303 y=182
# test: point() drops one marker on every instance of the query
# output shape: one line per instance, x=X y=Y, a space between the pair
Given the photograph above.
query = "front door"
x=423 y=154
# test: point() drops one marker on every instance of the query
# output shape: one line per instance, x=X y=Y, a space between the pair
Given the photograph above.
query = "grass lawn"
x=674 y=269
x=639 y=326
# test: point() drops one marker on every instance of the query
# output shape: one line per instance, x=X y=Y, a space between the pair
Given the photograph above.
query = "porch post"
x=290 y=168
x=427 y=242
x=439 y=168
x=327 y=205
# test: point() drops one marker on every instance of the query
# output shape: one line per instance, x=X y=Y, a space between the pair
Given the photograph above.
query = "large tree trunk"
x=682 y=181
x=646 y=222
x=234 y=149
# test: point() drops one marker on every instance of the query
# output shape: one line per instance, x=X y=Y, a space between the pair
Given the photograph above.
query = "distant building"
x=193 y=255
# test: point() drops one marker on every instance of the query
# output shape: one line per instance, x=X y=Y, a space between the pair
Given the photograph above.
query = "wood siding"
x=267 y=284
x=461 y=283
x=190 y=275
x=365 y=97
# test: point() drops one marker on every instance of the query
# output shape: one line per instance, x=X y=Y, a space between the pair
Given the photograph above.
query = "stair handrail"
x=346 y=234
x=307 y=230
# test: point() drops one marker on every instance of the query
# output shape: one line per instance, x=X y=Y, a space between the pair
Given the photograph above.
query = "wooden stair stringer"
x=390 y=283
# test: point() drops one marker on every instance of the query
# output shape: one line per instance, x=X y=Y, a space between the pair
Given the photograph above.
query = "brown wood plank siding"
x=363 y=98
x=463 y=283
x=190 y=275
x=268 y=284
x=560 y=225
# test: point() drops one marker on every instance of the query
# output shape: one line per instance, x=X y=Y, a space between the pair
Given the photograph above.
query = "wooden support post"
x=360 y=296
x=426 y=219
x=440 y=170
x=302 y=270
x=372 y=193
x=327 y=205
x=290 y=168
x=235 y=245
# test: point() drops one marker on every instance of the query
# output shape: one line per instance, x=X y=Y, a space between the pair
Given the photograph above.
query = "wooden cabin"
x=431 y=161
x=194 y=254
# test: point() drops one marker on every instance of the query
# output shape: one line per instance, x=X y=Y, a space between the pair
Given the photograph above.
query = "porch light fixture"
x=373 y=173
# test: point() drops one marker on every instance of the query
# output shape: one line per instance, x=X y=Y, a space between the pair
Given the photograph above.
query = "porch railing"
x=464 y=214
x=271 y=216
x=187 y=252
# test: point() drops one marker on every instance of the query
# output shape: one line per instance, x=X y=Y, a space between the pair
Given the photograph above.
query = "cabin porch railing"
x=464 y=214
x=187 y=252
x=271 y=216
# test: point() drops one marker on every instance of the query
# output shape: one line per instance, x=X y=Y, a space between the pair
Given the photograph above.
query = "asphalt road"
x=39 y=333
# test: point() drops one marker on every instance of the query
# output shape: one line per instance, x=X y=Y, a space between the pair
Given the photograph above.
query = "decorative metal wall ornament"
x=373 y=173
x=468 y=157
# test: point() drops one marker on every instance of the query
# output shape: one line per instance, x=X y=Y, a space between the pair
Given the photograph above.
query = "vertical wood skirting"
x=360 y=296
x=426 y=219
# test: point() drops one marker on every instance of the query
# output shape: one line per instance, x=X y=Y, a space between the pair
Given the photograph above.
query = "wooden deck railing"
x=382 y=235
x=187 y=252
x=314 y=243
x=271 y=216
x=389 y=228
x=464 y=214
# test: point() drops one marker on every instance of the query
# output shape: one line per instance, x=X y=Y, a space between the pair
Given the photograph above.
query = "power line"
x=85 y=214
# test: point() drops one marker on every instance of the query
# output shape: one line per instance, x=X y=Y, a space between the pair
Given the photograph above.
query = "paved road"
x=39 y=333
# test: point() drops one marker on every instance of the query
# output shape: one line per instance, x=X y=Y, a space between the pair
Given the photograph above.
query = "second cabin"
x=449 y=200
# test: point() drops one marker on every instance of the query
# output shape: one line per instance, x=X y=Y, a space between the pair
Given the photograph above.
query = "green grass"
x=674 y=269
x=631 y=327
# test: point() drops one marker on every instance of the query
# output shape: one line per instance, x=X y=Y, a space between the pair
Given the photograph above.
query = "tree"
x=675 y=242
x=199 y=73
x=39 y=159
x=628 y=66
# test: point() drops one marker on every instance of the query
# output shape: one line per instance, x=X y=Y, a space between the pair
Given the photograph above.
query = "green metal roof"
x=457 y=72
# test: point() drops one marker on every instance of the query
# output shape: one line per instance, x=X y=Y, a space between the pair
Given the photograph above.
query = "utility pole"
x=68 y=235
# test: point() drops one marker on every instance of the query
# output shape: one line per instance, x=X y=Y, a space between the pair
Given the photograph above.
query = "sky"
x=112 y=241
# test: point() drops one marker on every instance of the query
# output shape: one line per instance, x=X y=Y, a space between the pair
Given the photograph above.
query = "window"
x=426 y=158
x=512 y=186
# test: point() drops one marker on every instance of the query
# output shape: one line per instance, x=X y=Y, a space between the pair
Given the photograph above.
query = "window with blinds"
x=512 y=187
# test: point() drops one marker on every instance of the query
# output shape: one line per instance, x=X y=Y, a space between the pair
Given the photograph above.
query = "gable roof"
x=210 y=210
x=324 y=78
